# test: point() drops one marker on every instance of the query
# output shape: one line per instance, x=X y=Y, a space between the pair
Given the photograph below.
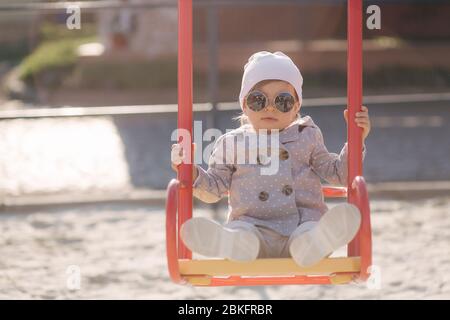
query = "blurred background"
x=86 y=117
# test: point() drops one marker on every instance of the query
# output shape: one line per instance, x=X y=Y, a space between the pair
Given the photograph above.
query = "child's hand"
x=362 y=120
x=177 y=156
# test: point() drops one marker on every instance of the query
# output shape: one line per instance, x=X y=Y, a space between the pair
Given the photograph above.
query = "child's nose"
x=271 y=107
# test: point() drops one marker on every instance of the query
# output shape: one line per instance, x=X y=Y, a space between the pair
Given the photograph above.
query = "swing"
x=283 y=271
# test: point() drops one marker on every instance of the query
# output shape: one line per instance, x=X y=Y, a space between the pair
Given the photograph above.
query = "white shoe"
x=211 y=239
x=336 y=228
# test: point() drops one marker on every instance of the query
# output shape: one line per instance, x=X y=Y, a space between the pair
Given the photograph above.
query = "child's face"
x=270 y=117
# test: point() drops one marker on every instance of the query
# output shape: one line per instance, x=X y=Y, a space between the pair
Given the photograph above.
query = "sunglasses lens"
x=256 y=101
x=284 y=102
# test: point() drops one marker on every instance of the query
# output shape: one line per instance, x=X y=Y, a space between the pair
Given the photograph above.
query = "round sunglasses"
x=257 y=101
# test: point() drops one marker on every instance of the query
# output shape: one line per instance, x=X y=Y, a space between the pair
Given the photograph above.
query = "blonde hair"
x=242 y=117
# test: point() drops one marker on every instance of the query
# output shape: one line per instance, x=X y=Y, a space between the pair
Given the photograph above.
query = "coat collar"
x=293 y=131
x=288 y=134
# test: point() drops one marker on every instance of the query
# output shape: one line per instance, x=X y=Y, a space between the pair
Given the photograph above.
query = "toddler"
x=276 y=215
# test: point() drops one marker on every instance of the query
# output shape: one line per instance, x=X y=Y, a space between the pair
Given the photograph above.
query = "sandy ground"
x=120 y=253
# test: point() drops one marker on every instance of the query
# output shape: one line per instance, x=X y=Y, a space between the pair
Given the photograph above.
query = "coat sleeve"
x=330 y=166
x=212 y=184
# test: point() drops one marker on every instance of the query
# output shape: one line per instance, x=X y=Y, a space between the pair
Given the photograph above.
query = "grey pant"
x=272 y=244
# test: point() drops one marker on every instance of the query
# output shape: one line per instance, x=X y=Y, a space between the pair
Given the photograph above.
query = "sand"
x=119 y=251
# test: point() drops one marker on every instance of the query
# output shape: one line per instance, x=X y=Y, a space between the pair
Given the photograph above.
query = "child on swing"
x=273 y=215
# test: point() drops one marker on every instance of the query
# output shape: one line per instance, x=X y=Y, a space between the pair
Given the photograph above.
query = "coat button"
x=284 y=154
x=263 y=196
x=287 y=190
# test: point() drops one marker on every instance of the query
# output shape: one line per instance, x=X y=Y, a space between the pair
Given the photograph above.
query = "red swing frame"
x=214 y=272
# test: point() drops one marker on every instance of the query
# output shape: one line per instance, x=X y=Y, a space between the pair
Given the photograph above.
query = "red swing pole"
x=354 y=103
x=185 y=116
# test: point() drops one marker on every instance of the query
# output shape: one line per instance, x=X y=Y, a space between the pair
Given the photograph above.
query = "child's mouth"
x=270 y=119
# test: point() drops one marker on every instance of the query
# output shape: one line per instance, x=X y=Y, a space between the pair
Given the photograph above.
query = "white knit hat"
x=264 y=65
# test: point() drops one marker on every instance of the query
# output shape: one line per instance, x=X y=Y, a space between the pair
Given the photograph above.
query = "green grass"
x=57 y=50
x=51 y=55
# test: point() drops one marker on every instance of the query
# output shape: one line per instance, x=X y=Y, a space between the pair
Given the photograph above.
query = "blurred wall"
x=307 y=22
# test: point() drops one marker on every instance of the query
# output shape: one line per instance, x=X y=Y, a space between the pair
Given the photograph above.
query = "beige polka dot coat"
x=289 y=192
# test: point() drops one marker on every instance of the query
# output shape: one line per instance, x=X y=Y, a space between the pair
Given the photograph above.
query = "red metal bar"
x=268 y=281
x=354 y=96
x=185 y=115
x=365 y=231
x=271 y=281
x=171 y=231
x=334 y=192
